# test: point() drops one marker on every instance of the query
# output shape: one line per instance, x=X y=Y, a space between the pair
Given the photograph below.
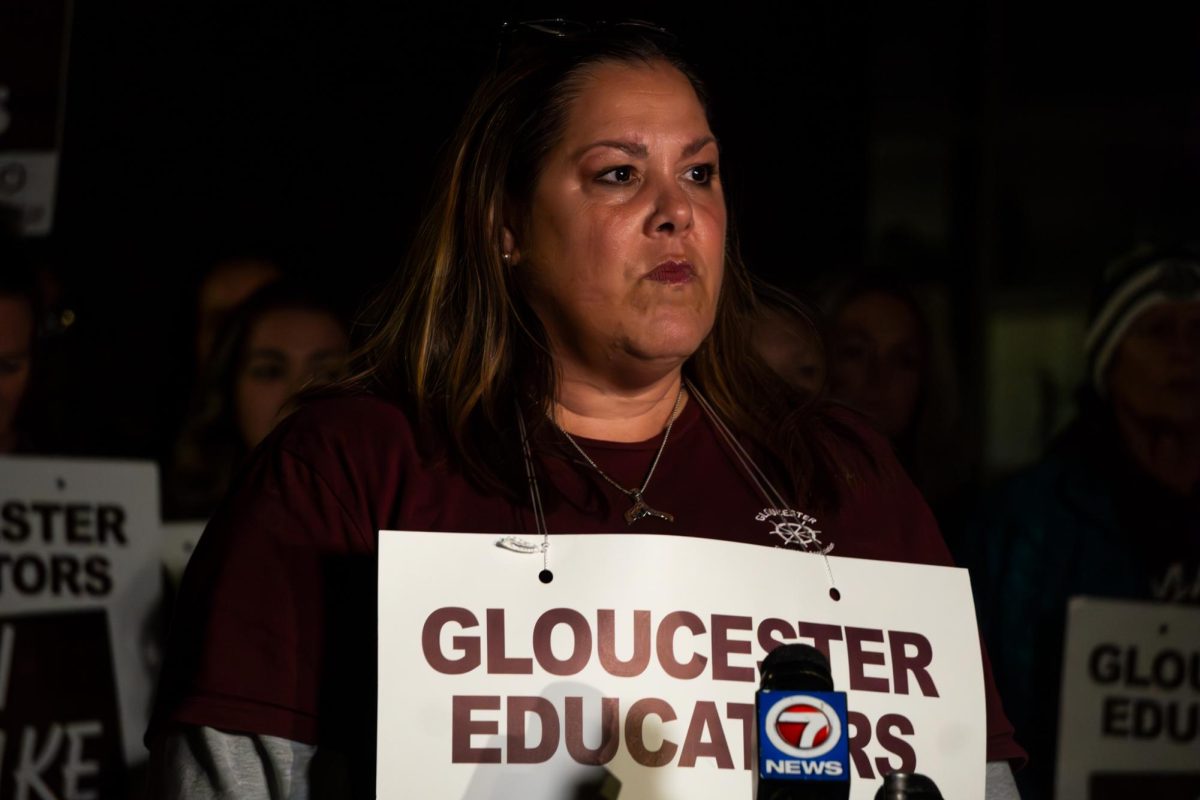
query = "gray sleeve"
x=1000 y=784
x=200 y=763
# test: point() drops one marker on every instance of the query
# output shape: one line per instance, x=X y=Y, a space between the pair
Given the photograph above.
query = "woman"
x=1113 y=507
x=279 y=340
x=881 y=358
x=573 y=289
x=787 y=337
x=224 y=287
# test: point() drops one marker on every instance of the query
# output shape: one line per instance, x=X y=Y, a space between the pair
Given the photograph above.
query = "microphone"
x=907 y=786
x=803 y=733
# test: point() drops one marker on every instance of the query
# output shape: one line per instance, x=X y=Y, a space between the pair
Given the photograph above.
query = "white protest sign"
x=82 y=536
x=638 y=661
x=1130 y=709
x=33 y=61
x=28 y=181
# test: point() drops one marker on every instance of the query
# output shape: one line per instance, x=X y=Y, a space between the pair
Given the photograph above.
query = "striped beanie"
x=1145 y=278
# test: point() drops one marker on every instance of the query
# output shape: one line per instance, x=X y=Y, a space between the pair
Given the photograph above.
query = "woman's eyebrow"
x=639 y=150
x=635 y=149
x=698 y=145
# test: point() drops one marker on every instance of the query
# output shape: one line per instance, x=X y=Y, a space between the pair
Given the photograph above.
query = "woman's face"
x=284 y=351
x=1155 y=371
x=791 y=349
x=622 y=254
x=877 y=360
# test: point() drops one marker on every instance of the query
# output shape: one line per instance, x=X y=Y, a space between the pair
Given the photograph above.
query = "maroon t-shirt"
x=274 y=630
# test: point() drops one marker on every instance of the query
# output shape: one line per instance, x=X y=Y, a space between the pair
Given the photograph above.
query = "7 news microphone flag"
x=803 y=732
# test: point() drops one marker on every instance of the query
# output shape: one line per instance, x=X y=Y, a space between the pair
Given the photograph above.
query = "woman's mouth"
x=672 y=272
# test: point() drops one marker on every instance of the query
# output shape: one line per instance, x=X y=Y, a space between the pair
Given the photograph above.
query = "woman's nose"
x=672 y=211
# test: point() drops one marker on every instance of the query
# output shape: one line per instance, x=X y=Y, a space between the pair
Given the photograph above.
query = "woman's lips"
x=672 y=272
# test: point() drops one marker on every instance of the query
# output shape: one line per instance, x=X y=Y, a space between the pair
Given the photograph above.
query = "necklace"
x=792 y=526
x=640 y=509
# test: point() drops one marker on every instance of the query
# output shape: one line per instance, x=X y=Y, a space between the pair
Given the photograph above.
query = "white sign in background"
x=696 y=725
x=28 y=180
x=1130 y=691
x=47 y=568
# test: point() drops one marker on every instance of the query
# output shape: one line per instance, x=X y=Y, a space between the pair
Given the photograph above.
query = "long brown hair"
x=455 y=341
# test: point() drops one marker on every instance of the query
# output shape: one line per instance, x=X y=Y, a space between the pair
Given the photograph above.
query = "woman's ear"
x=509 y=251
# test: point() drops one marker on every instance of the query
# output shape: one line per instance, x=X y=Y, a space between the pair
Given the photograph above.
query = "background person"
x=1113 y=509
x=888 y=362
x=225 y=286
x=879 y=346
x=283 y=338
x=787 y=337
x=573 y=272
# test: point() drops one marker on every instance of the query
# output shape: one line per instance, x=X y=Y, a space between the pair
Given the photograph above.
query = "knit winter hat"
x=1144 y=278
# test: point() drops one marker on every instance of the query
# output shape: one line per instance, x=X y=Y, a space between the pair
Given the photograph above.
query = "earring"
x=506 y=256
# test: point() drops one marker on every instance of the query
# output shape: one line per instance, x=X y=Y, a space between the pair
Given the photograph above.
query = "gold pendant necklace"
x=640 y=508
x=793 y=526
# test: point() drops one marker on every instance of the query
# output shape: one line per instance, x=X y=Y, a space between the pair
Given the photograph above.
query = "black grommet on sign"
x=545 y=576
x=835 y=594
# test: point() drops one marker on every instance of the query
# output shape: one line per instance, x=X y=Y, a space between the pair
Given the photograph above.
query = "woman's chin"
x=665 y=350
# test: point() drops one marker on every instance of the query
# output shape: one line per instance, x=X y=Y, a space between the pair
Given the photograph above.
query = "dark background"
x=1001 y=151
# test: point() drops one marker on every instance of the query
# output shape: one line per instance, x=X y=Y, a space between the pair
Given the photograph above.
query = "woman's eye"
x=851 y=351
x=617 y=175
x=702 y=173
x=266 y=371
x=327 y=371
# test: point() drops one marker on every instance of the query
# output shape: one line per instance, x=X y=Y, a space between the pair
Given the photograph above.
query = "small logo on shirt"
x=794 y=528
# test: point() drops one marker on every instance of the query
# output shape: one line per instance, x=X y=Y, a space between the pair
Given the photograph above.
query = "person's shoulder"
x=339 y=460
x=1053 y=507
x=865 y=455
x=845 y=415
x=881 y=514
x=356 y=426
x=1064 y=470
x=347 y=413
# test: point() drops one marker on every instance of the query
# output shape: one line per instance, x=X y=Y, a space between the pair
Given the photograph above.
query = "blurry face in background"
x=285 y=350
x=16 y=345
x=877 y=360
x=790 y=348
x=225 y=287
x=1155 y=372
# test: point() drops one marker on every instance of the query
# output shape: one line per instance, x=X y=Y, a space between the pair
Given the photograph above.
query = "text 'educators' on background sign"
x=637 y=665
x=78 y=536
x=1130 y=719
